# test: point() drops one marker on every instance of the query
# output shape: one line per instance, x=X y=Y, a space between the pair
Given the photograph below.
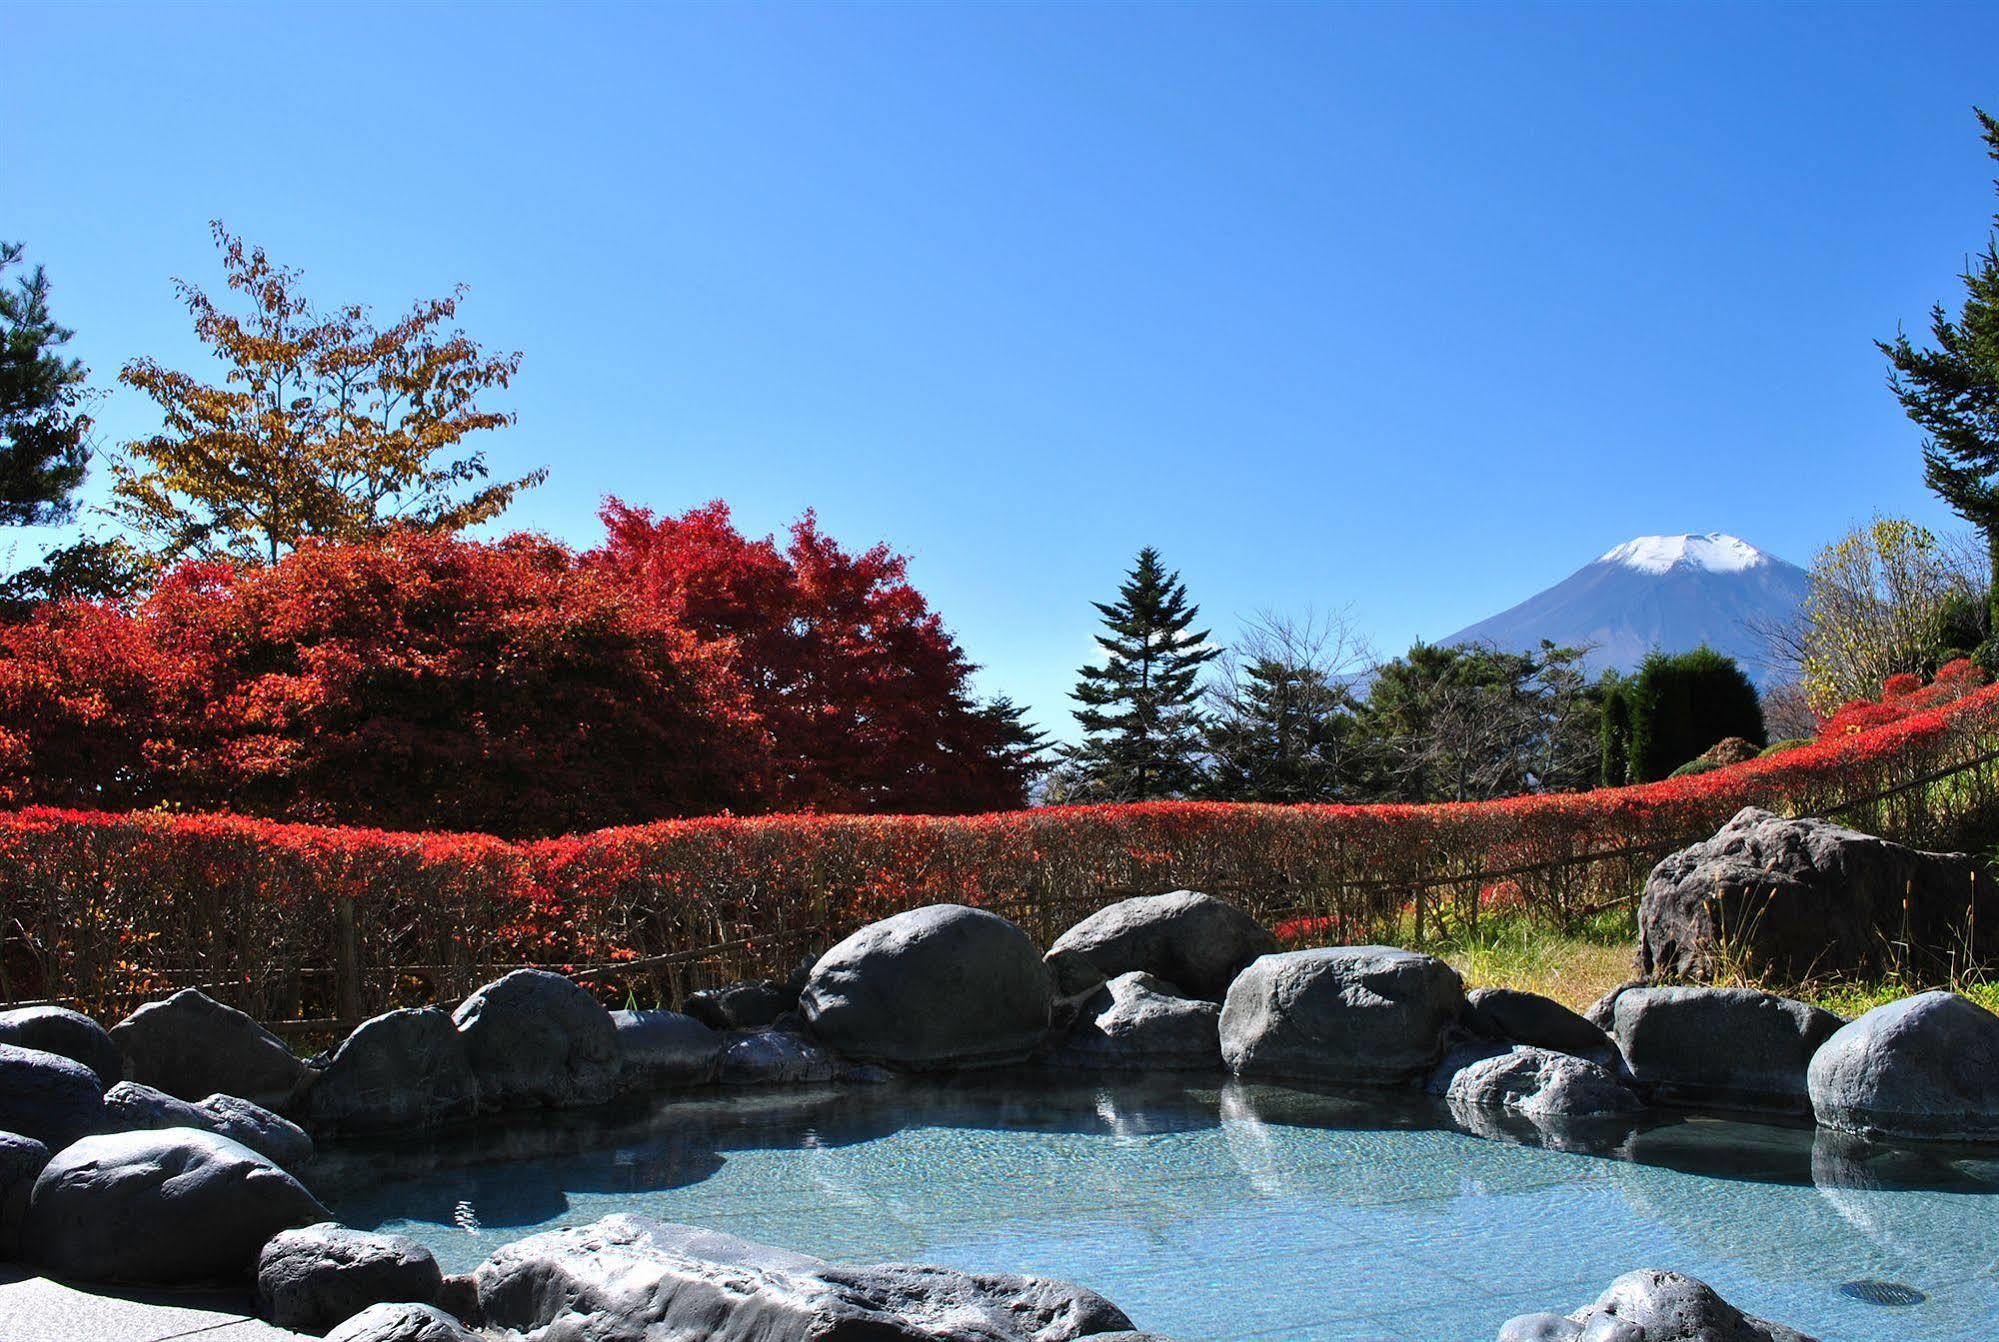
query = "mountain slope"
x=1668 y=592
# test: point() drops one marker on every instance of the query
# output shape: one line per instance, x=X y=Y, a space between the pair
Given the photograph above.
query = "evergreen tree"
x=1614 y=729
x=1280 y=734
x=1681 y=704
x=1141 y=726
x=1952 y=393
x=43 y=429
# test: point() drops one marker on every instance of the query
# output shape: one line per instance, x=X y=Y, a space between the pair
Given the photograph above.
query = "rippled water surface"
x=1222 y=1213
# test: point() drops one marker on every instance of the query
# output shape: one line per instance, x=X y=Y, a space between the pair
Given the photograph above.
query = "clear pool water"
x=1211 y=1213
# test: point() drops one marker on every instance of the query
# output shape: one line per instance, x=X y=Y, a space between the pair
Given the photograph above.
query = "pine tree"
x=1952 y=393
x=1141 y=726
x=43 y=430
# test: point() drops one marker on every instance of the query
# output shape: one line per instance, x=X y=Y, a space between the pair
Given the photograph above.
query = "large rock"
x=536 y=1038
x=1926 y=1067
x=1194 y=941
x=1514 y=1017
x=53 y=1099
x=742 y=1006
x=631 y=1279
x=315 y=1277
x=402 y=1070
x=1351 y=1015
x=191 y=1045
x=402 y=1322
x=937 y=987
x=68 y=1034
x=1797 y=899
x=1536 y=1083
x=663 y=1049
x=1730 y=1048
x=1651 y=1306
x=164 y=1207
x=21 y=1162
x=1138 y=1023
x=131 y=1107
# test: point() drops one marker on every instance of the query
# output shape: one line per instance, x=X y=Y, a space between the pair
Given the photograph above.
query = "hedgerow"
x=102 y=908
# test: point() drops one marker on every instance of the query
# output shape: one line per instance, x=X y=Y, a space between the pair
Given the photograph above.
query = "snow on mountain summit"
x=1714 y=552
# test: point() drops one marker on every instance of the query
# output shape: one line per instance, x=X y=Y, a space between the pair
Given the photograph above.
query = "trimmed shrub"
x=1681 y=704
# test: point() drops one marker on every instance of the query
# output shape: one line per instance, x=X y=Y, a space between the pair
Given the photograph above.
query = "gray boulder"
x=663 y=1049
x=631 y=1279
x=1193 y=940
x=190 y=1045
x=1926 y=1067
x=399 y=1071
x=742 y=1006
x=1651 y=1306
x=1534 y=1082
x=314 y=1277
x=165 y=1207
x=131 y=1107
x=1350 y=1015
x=938 y=987
x=1510 y=1016
x=1728 y=1048
x=1793 y=900
x=1139 y=1023
x=402 y=1322
x=538 y=1039
x=775 y=1058
x=68 y=1034
x=53 y=1099
x=21 y=1161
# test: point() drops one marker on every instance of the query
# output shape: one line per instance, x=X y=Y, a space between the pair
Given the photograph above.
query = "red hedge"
x=99 y=908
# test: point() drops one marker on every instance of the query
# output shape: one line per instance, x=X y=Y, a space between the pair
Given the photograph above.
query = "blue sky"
x=1409 y=309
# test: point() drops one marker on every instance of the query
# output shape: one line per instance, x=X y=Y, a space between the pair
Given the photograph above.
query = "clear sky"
x=1410 y=309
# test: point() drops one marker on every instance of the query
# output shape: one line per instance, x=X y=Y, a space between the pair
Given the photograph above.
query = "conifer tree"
x=1138 y=711
x=1281 y=716
x=1952 y=393
x=43 y=430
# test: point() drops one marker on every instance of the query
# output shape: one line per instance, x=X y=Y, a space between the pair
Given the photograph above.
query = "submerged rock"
x=1926 y=1067
x=67 y=1034
x=53 y=1099
x=933 y=988
x=1138 y=1023
x=775 y=1058
x=632 y=1279
x=161 y=1207
x=1536 y=1083
x=1732 y=1048
x=1651 y=1306
x=400 y=1070
x=662 y=1049
x=131 y=1107
x=1194 y=941
x=1798 y=899
x=538 y=1039
x=190 y=1045
x=1354 y=1015
x=314 y=1277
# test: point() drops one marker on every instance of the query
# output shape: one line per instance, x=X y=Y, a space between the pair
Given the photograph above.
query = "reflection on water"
x=1359 y=1218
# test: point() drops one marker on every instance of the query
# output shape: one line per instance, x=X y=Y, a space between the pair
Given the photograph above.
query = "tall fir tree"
x=1952 y=393
x=43 y=430
x=1138 y=711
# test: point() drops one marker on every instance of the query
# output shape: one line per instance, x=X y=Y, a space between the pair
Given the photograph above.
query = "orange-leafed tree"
x=325 y=425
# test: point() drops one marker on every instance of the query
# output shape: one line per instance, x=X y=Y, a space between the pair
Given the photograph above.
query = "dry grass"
x=1574 y=968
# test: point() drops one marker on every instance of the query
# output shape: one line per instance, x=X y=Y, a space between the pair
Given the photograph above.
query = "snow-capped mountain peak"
x=1673 y=593
x=1713 y=552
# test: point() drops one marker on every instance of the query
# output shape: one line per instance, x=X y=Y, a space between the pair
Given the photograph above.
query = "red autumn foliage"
x=1904 y=695
x=514 y=687
x=102 y=906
